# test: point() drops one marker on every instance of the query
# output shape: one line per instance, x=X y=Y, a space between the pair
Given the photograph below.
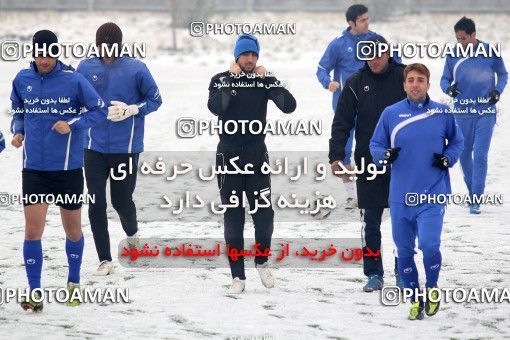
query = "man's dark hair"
x=420 y=68
x=354 y=12
x=465 y=24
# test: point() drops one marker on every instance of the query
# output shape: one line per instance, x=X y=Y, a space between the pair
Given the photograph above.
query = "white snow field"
x=306 y=303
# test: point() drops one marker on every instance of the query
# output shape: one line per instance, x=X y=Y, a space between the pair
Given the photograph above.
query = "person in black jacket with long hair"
x=237 y=95
x=366 y=94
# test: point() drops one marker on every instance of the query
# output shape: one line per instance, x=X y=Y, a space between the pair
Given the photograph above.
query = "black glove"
x=391 y=155
x=452 y=91
x=494 y=97
x=440 y=161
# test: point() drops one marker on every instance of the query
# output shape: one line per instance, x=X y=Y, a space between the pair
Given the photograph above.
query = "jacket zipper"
x=107 y=78
x=43 y=139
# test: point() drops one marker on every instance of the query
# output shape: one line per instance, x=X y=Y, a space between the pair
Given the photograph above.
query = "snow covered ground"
x=306 y=303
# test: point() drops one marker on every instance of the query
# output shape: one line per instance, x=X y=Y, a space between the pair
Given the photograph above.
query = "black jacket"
x=230 y=101
x=364 y=97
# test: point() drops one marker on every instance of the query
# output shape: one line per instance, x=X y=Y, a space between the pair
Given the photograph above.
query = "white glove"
x=120 y=111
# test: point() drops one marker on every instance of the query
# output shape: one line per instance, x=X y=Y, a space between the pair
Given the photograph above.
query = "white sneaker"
x=237 y=286
x=105 y=268
x=265 y=275
x=351 y=203
x=134 y=241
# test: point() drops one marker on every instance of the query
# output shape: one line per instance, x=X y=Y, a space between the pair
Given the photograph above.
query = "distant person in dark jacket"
x=366 y=94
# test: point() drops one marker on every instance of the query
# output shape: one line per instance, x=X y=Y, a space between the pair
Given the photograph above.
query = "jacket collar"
x=359 y=37
x=418 y=106
x=56 y=70
x=114 y=62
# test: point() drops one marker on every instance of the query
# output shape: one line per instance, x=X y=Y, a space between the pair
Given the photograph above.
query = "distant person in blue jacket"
x=2 y=142
x=473 y=84
x=127 y=87
x=341 y=58
x=421 y=141
x=47 y=99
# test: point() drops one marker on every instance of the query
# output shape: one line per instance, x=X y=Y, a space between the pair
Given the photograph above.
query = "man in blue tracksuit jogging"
x=127 y=87
x=341 y=58
x=47 y=101
x=472 y=82
x=420 y=139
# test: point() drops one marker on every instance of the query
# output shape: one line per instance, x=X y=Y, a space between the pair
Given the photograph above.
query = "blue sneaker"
x=375 y=282
x=474 y=209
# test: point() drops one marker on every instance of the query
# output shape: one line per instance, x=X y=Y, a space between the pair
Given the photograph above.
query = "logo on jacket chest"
x=94 y=77
x=404 y=115
x=29 y=88
x=366 y=88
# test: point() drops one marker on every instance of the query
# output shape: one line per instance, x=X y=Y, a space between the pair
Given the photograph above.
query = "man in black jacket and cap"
x=366 y=94
x=237 y=95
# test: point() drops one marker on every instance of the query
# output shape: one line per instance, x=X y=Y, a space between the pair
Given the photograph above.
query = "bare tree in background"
x=184 y=12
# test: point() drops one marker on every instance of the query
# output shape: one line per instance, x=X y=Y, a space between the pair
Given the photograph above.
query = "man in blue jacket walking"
x=127 y=86
x=421 y=141
x=341 y=58
x=467 y=80
x=47 y=121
